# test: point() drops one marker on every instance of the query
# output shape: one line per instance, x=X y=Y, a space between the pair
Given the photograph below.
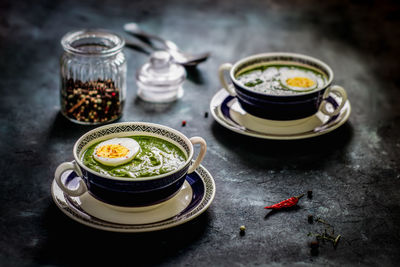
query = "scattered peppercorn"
x=310 y=219
x=206 y=114
x=242 y=229
x=314 y=244
x=314 y=248
x=183 y=123
x=309 y=194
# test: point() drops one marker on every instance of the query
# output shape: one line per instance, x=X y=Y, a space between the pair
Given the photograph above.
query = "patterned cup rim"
x=284 y=56
x=84 y=141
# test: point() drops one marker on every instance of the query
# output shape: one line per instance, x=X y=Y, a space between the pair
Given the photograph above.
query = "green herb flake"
x=253 y=83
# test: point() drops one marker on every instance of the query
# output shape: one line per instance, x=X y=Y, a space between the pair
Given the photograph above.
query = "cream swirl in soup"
x=282 y=79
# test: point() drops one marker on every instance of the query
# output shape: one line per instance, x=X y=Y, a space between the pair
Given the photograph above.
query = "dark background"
x=354 y=171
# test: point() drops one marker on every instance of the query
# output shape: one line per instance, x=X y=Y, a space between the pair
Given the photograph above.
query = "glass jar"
x=93 y=76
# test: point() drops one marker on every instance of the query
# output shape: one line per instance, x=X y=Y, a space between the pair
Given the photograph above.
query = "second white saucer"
x=275 y=127
x=227 y=112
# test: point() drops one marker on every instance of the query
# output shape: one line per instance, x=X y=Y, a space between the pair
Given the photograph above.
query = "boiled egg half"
x=299 y=80
x=116 y=151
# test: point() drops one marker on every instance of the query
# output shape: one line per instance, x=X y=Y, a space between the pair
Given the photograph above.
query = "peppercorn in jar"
x=93 y=76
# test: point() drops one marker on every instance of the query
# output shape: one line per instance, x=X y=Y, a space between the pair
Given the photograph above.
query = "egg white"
x=287 y=74
x=129 y=143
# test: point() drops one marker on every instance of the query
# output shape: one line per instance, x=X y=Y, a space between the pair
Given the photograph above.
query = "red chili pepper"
x=290 y=202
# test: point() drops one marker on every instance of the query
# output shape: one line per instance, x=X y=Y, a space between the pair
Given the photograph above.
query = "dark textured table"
x=354 y=171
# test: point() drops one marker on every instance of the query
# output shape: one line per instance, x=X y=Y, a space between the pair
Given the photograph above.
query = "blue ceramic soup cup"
x=282 y=107
x=124 y=191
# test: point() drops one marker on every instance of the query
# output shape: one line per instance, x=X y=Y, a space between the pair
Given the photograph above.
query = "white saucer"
x=193 y=199
x=152 y=214
x=227 y=111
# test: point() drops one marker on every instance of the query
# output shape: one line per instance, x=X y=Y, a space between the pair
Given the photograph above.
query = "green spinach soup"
x=134 y=156
x=282 y=79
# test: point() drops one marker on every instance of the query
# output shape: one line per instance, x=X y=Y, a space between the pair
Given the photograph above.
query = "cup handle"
x=65 y=166
x=226 y=67
x=339 y=91
x=202 y=153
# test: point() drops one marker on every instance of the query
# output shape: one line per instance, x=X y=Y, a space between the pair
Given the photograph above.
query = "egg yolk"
x=112 y=151
x=302 y=82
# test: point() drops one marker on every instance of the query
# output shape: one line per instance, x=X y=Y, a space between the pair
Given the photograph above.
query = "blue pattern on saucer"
x=193 y=179
x=222 y=102
x=203 y=188
x=225 y=107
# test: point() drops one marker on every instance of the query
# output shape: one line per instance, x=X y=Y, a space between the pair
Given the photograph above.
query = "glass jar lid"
x=161 y=71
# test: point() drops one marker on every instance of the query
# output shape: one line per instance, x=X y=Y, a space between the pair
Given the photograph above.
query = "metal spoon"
x=179 y=57
x=148 y=49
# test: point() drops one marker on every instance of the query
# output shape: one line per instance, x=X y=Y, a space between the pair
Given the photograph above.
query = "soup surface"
x=154 y=157
x=282 y=79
